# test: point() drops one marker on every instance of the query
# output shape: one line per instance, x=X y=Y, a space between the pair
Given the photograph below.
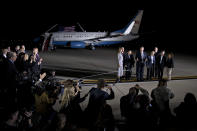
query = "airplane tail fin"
x=137 y=20
x=134 y=25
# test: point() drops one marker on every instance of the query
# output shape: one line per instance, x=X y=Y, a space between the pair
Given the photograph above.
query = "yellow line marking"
x=134 y=80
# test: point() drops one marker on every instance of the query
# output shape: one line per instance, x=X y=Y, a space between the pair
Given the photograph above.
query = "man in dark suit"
x=129 y=63
x=3 y=89
x=150 y=65
x=161 y=60
x=3 y=58
x=155 y=71
x=11 y=70
x=11 y=75
x=3 y=54
x=140 y=62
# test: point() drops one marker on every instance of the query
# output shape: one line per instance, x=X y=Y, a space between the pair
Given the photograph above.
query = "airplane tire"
x=92 y=48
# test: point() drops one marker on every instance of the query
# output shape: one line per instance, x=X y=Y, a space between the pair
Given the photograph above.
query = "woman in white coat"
x=120 y=63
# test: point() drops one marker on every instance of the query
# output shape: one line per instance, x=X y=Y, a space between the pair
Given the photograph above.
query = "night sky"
x=167 y=25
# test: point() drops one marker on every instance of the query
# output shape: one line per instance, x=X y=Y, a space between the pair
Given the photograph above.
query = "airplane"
x=92 y=39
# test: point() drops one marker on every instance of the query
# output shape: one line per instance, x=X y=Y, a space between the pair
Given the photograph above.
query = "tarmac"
x=102 y=63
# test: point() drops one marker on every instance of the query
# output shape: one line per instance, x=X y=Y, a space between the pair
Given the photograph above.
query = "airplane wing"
x=107 y=36
x=111 y=35
x=100 y=38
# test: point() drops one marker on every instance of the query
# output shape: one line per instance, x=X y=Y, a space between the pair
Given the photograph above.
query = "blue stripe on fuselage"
x=98 y=44
x=60 y=43
x=109 y=43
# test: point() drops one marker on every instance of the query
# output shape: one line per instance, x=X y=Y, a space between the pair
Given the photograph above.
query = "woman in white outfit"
x=120 y=63
x=170 y=65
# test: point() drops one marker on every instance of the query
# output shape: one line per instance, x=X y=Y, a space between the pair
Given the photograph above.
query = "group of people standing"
x=155 y=63
x=17 y=65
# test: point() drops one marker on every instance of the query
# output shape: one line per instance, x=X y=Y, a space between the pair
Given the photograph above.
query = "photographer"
x=135 y=108
x=128 y=101
x=17 y=120
x=73 y=110
x=25 y=96
x=43 y=99
x=25 y=118
x=97 y=98
x=52 y=76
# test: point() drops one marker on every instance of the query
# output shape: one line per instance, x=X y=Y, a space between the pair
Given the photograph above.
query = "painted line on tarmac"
x=134 y=80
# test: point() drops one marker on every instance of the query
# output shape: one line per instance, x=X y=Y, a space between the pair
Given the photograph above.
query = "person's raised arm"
x=111 y=95
x=144 y=91
x=42 y=76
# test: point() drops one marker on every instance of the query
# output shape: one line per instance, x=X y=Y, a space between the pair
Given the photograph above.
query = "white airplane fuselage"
x=85 y=39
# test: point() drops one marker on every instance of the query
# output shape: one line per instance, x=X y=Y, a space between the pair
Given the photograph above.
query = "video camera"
x=23 y=112
x=78 y=83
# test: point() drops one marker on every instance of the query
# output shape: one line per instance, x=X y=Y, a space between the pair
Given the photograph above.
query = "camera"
x=24 y=112
x=78 y=83
x=107 y=86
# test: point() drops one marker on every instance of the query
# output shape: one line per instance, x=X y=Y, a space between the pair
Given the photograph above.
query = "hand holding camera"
x=137 y=86
x=28 y=114
x=108 y=86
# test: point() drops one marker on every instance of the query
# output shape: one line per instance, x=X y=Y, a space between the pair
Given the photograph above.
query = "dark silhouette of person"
x=97 y=98
x=186 y=112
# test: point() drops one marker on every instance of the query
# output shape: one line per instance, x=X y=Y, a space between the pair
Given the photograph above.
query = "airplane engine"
x=77 y=44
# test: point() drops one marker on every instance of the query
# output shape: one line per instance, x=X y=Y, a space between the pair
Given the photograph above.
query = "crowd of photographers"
x=32 y=100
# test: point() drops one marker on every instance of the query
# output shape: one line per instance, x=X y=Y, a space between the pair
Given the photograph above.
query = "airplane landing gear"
x=92 y=47
x=53 y=48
